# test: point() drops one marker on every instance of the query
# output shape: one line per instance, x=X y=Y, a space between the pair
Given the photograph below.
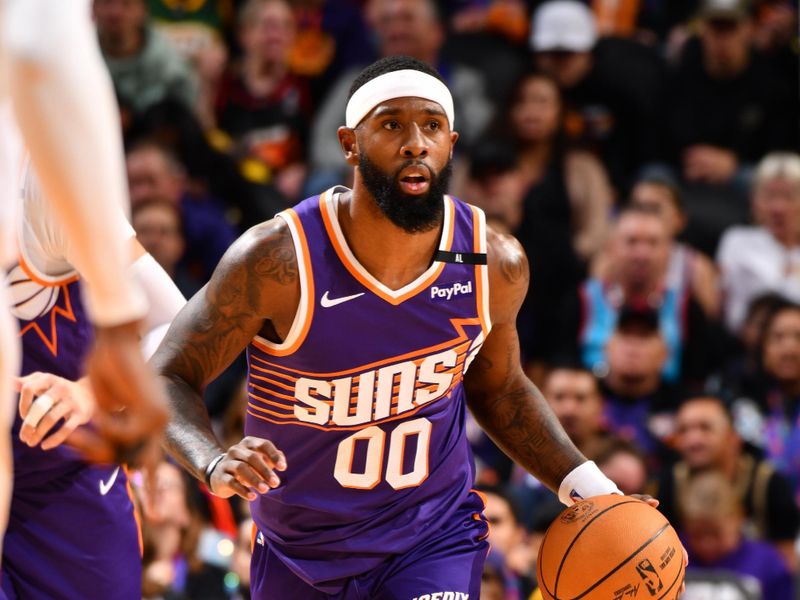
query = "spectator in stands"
x=706 y=439
x=696 y=270
x=612 y=87
x=184 y=556
x=637 y=275
x=623 y=463
x=565 y=210
x=574 y=395
x=155 y=174
x=728 y=108
x=159 y=228
x=496 y=185
x=413 y=28
x=779 y=396
x=639 y=403
x=145 y=68
x=507 y=540
x=722 y=558
x=766 y=256
x=198 y=31
x=261 y=104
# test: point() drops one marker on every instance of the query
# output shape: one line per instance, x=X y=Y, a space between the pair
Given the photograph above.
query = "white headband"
x=398 y=84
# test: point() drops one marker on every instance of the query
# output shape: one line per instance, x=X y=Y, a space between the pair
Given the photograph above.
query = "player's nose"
x=415 y=145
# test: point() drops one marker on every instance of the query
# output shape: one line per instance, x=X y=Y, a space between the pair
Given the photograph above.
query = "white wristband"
x=585 y=481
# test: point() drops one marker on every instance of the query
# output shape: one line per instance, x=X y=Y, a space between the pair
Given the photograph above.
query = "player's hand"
x=44 y=400
x=248 y=468
x=131 y=404
x=654 y=503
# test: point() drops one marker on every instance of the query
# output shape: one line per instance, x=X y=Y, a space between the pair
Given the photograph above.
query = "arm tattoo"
x=278 y=262
x=212 y=330
x=520 y=421
x=514 y=268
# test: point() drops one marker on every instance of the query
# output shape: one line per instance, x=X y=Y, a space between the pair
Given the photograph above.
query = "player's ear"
x=453 y=140
x=349 y=144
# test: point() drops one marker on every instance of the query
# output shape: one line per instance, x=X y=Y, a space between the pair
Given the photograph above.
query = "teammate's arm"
x=504 y=401
x=256 y=282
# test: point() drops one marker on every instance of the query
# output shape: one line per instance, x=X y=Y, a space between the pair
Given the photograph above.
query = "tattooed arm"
x=254 y=290
x=504 y=401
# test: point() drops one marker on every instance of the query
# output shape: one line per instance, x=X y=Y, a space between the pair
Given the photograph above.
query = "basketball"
x=611 y=547
x=29 y=299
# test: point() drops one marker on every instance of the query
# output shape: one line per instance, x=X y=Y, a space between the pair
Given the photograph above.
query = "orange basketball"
x=611 y=548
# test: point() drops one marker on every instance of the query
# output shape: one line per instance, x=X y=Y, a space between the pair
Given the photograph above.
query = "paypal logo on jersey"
x=450 y=291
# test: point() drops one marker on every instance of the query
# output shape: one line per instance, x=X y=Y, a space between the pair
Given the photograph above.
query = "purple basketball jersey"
x=72 y=532
x=56 y=342
x=365 y=397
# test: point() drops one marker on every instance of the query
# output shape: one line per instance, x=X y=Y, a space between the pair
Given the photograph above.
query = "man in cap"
x=612 y=87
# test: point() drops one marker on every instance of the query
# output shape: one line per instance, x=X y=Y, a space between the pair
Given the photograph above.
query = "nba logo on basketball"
x=651 y=579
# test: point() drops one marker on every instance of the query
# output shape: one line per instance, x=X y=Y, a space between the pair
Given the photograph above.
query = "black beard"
x=413 y=214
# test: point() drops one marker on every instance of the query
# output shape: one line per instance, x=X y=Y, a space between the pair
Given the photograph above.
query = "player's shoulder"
x=506 y=257
x=266 y=250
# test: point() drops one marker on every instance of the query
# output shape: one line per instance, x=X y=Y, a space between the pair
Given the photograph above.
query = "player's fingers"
x=257 y=462
x=226 y=481
x=60 y=436
x=247 y=475
x=31 y=386
x=59 y=411
x=38 y=409
x=275 y=458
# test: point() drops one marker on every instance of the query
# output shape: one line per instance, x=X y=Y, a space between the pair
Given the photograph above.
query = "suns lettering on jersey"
x=377 y=394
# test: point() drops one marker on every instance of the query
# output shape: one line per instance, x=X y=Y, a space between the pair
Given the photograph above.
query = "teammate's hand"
x=45 y=399
x=248 y=467
x=131 y=404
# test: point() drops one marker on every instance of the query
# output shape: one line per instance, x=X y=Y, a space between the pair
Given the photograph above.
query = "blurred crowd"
x=644 y=152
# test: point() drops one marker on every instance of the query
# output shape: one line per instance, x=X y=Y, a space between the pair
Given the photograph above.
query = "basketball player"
x=51 y=68
x=71 y=533
x=372 y=318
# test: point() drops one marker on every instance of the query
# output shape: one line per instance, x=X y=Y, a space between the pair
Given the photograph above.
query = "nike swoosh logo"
x=327 y=302
x=105 y=486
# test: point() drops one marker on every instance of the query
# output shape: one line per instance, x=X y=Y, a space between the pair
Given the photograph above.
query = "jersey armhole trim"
x=305 y=308
x=41 y=278
x=481 y=271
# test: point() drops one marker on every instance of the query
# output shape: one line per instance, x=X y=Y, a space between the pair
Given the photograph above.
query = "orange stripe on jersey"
x=269 y=412
x=272 y=392
x=308 y=280
x=283 y=405
x=136 y=516
x=354 y=270
x=271 y=381
x=421 y=353
x=479 y=291
x=44 y=282
x=270 y=371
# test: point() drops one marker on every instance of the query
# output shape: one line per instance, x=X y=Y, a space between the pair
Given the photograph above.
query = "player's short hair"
x=390 y=64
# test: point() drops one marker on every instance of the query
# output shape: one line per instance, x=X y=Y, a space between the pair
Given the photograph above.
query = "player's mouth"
x=415 y=180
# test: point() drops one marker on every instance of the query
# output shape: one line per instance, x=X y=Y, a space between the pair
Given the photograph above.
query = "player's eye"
x=434 y=125
x=392 y=125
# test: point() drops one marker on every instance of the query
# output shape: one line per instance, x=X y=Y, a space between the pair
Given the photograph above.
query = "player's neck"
x=392 y=255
